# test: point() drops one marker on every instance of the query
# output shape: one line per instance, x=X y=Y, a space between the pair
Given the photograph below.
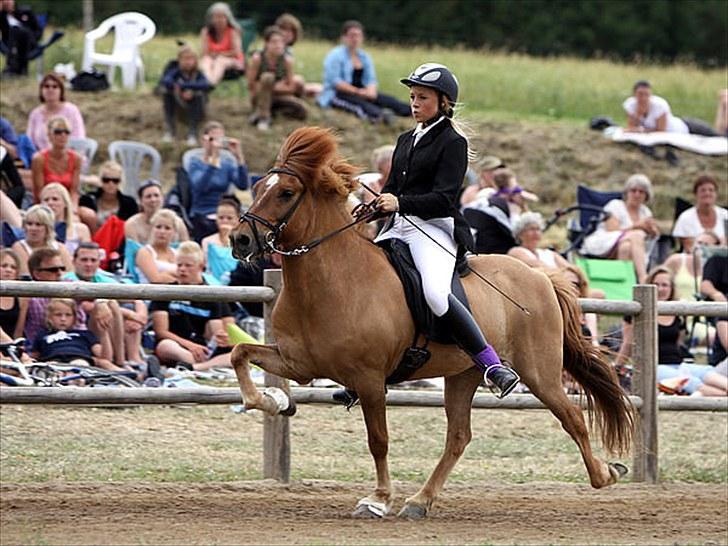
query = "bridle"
x=270 y=241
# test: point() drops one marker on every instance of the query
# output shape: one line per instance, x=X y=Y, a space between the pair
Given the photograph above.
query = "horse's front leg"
x=373 y=405
x=272 y=400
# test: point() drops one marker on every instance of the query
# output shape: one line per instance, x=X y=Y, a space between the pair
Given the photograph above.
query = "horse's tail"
x=590 y=367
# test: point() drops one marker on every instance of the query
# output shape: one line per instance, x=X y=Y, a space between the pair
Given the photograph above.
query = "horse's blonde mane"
x=312 y=153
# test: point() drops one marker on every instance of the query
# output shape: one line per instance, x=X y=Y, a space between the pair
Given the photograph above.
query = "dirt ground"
x=318 y=512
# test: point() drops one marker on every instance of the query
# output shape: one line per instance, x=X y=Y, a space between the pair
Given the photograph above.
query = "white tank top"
x=162 y=265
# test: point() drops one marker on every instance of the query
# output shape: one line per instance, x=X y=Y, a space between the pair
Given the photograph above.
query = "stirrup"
x=499 y=392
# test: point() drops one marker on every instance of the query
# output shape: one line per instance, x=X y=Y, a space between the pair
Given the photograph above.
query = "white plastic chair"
x=131 y=29
x=87 y=148
x=131 y=155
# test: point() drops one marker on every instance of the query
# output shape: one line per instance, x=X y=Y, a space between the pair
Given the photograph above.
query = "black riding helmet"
x=434 y=75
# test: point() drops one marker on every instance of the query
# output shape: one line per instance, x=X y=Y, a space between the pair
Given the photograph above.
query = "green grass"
x=494 y=85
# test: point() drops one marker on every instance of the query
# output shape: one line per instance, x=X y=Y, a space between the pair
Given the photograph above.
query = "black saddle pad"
x=427 y=323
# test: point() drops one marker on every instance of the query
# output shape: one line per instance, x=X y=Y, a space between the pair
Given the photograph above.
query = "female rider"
x=428 y=167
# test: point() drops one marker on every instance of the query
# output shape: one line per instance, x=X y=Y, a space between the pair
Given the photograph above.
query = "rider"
x=428 y=168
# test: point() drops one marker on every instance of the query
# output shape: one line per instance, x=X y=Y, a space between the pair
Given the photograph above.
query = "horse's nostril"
x=242 y=240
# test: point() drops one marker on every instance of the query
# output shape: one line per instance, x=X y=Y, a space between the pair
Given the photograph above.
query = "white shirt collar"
x=420 y=130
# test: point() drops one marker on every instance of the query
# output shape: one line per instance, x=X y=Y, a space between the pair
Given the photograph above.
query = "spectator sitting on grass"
x=139 y=227
x=57 y=199
x=216 y=247
x=191 y=334
x=292 y=32
x=212 y=174
x=672 y=374
x=39 y=225
x=222 y=43
x=61 y=342
x=350 y=82
x=714 y=286
x=185 y=92
x=272 y=86
x=53 y=103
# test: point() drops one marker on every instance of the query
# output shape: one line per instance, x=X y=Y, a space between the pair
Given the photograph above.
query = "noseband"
x=270 y=240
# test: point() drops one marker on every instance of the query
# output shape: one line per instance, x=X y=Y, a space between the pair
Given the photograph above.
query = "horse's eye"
x=286 y=194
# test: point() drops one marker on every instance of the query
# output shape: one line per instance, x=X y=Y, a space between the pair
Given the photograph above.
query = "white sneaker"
x=191 y=141
x=167 y=138
x=263 y=124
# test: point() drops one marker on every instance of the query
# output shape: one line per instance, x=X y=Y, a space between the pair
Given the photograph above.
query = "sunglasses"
x=61 y=132
x=53 y=269
x=111 y=179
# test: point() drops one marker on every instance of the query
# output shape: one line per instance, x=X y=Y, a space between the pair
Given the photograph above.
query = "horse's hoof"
x=291 y=411
x=366 y=509
x=283 y=403
x=413 y=511
x=618 y=470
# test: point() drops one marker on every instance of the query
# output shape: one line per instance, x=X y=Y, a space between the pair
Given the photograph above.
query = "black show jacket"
x=427 y=178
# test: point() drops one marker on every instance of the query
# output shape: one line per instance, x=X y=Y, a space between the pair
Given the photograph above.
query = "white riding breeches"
x=434 y=264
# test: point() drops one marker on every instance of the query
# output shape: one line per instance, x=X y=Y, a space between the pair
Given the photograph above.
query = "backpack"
x=90 y=81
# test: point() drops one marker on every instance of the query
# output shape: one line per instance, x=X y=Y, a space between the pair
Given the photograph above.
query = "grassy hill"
x=531 y=112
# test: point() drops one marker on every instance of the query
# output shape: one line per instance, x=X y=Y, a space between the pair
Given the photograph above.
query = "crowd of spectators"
x=56 y=231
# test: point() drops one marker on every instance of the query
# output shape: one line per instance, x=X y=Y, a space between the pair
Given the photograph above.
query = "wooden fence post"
x=644 y=384
x=276 y=430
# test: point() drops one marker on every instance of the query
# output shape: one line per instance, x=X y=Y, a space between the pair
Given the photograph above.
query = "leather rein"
x=269 y=242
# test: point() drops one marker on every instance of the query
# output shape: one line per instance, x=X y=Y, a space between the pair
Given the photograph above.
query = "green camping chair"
x=615 y=277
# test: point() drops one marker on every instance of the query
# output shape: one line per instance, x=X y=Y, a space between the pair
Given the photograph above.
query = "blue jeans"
x=695 y=372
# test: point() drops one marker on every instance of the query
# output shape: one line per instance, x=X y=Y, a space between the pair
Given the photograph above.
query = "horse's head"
x=308 y=174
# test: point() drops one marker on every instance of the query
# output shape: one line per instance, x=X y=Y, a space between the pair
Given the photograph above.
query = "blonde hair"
x=57 y=121
x=164 y=214
x=54 y=303
x=191 y=249
x=65 y=197
x=112 y=166
x=43 y=215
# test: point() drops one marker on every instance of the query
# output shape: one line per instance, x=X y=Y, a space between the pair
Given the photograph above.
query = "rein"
x=270 y=240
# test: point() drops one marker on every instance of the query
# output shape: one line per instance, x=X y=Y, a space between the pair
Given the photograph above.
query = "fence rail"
x=276 y=451
x=83 y=396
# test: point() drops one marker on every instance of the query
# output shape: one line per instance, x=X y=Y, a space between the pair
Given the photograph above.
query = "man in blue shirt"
x=350 y=82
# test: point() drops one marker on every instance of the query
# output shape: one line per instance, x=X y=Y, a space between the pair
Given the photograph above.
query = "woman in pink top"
x=53 y=104
x=221 y=43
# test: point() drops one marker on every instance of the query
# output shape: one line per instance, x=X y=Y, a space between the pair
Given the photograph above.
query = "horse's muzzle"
x=242 y=246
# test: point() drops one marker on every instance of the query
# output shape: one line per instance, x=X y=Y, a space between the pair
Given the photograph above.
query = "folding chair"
x=615 y=277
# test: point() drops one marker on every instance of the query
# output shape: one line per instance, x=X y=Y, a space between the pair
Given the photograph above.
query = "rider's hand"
x=387 y=202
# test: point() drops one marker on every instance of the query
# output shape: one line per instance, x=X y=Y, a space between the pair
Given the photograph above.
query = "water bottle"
x=211 y=346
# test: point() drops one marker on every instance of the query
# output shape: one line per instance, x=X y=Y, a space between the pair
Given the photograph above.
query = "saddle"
x=427 y=324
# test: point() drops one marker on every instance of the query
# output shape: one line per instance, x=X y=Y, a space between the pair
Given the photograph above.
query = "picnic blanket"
x=692 y=143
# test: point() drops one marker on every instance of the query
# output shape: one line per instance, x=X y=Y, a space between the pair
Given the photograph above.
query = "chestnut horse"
x=342 y=314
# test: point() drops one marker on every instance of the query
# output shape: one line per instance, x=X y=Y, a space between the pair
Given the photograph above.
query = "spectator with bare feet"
x=271 y=83
x=191 y=334
x=673 y=375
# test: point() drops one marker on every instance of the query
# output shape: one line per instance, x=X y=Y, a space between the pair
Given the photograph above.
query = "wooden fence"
x=276 y=442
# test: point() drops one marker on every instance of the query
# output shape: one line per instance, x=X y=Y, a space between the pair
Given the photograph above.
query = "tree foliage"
x=662 y=30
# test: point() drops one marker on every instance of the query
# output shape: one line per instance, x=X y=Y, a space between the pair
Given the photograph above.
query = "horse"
x=341 y=314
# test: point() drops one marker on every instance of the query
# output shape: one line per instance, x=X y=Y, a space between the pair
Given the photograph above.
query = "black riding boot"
x=470 y=338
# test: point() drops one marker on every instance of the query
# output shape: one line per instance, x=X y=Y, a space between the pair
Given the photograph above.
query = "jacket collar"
x=432 y=133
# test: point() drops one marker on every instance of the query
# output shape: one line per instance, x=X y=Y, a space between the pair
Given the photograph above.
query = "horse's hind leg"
x=459 y=391
x=551 y=393
x=273 y=400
